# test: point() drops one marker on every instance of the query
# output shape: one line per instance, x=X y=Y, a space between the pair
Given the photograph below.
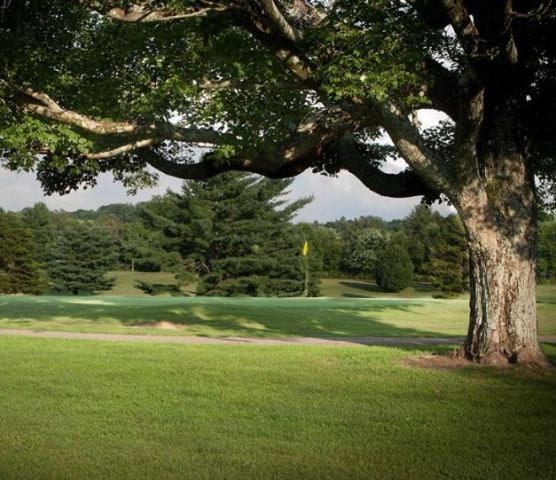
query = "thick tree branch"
x=400 y=185
x=435 y=171
x=214 y=85
x=284 y=50
x=464 y=27
x=139 y=14
x=442 y=89
x=279 y=22
x=149 y=12
x=43 y=105
x=122 y=149
x=295 y=155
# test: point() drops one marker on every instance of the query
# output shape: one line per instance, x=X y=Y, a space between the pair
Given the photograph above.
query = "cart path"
x=333 y=341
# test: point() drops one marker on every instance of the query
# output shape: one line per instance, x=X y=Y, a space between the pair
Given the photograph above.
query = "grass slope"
x=259 y=317
x=125 y=282
x=95 y=410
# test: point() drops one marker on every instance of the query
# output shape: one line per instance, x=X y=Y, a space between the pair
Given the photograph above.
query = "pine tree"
x=450 y=259
x=79 y=258
x=19 y=269
x=235 y=231
x=546 y=264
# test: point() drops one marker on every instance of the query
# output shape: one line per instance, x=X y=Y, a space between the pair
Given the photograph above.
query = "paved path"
x=337 y=341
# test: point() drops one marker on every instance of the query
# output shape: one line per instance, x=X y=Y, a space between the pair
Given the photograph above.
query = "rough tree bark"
x=498 y=211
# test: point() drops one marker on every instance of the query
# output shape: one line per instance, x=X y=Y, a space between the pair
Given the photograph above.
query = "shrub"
x=394 y=269
x=158 y=288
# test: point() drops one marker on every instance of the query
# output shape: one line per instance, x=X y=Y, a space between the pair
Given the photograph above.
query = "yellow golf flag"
x=306 y=248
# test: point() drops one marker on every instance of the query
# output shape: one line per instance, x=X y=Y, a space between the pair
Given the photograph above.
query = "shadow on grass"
x=319 y=318
x=367 y=289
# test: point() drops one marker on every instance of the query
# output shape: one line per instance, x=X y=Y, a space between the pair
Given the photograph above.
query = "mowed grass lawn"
x=98 y=410
x=378 y=314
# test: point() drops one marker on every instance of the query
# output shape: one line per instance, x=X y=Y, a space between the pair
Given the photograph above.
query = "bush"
x=394 y=269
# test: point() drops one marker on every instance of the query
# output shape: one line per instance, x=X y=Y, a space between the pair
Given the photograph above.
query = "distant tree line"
x=233 y=235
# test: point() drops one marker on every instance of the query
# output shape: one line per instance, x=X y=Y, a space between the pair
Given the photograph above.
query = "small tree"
x=394 y=270
x=363 y=256
x=79 y=258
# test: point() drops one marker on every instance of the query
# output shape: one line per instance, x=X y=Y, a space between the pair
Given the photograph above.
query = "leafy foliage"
x=365 y=251
x=394 y=270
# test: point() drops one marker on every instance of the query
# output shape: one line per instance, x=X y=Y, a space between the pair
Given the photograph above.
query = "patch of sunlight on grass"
x=86 y=301
x=201 y=313
x=251 y=324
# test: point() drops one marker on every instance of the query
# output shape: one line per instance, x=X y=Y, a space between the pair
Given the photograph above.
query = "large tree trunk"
x=498 y=212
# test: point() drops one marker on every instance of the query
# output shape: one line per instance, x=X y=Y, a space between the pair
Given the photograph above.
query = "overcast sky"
x=334 y=197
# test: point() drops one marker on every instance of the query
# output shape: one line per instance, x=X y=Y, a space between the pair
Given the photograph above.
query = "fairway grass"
x=252 y=317
x=97 y=410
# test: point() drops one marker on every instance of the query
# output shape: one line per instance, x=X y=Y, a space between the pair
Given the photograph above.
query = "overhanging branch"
x=400 y=185
x=43 y=105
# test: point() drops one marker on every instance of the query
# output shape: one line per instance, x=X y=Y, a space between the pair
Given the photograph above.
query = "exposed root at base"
x=527 y=358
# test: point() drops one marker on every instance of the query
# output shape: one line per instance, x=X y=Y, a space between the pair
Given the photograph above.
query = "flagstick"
x=305 y=253
x=306 y=260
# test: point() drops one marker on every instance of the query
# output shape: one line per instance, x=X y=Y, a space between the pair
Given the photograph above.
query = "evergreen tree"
x=19 y=269
x=79 y=258
x=449 y=259
x=39 y=220
x=235 y=231
x=422 y=226
x=394 y=270
x=546 y=263
x=140 y=248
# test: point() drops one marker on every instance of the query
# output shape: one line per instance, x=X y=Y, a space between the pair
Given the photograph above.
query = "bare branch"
x=214 y=85
x=283 y=49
